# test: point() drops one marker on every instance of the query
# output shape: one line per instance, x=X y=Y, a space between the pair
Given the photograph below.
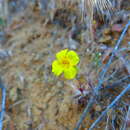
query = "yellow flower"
x=65 y=63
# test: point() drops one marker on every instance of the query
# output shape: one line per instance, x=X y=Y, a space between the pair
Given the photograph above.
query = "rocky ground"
x=38 y=100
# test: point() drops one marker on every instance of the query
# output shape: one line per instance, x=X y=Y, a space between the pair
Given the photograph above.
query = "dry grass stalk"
x=88 y=8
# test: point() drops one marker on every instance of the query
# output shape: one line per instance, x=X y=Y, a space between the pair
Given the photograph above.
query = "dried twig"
x=115 y=84
x=3 y=104
x=109 y=107
x=102 y=75
x=17 y=103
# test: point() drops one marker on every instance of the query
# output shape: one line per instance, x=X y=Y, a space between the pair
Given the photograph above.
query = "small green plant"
x=96 y=59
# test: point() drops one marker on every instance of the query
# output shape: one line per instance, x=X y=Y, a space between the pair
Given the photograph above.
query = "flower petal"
x=56 y=68
x=70 y=73
x=61 y=54
x=73 y=57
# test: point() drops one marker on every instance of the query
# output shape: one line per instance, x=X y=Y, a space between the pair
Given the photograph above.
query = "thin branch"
x=109 y=107
x=102 y=74
x=91 y=101
x=3 y=104
x=115 y=84
x=17 y=103
x=110 y=76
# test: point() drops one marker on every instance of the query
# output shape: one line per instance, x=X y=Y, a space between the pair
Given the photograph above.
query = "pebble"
x=72 y=44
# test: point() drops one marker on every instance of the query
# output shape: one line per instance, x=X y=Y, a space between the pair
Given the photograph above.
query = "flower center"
x=65 y=62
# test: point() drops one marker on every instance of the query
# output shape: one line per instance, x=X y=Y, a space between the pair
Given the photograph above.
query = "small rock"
x=72 y=44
